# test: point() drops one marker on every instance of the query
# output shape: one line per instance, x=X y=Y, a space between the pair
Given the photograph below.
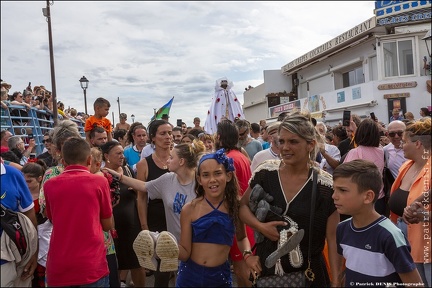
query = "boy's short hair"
x=100 y=102
x=120 y=133
x=363 y=173
x=95 y=129
x=75 y=151
x=256 y=128
x=96 y=154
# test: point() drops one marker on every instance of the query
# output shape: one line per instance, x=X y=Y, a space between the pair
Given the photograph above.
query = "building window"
x=353 y=77
x=398 y=58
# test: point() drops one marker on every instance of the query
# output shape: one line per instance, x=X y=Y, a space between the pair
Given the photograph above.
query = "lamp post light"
x=84 y=85
x=133 y=118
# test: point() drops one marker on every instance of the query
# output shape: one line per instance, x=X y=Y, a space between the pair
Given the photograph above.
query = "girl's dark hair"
x=153 y=127
x=34 y=169
x=231 y=195
x=367 y=133
x=106 y=148
x=228 y=136
x=120 y=133
x=340 y=132
x=190 y=136
x=425 y=111
x=132 y=128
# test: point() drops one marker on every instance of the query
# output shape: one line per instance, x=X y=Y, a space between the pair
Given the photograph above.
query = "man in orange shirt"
x=101 y=107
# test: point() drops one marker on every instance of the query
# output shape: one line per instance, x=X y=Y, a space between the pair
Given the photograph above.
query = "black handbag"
x=298 y=278
x=11 y=224
x=388 y=180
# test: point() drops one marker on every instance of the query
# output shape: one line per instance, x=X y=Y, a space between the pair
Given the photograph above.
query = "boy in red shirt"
x=78 y=204
x=101 y=107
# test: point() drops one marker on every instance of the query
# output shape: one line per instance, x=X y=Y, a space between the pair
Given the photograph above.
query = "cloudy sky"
x=146 y=52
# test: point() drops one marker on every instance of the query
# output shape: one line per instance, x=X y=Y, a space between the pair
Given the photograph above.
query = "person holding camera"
x=16 y=145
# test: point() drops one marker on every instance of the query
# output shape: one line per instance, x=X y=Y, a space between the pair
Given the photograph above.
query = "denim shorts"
x=191 y=274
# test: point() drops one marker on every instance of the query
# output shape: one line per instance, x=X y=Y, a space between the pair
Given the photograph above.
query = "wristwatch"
x=246 y=252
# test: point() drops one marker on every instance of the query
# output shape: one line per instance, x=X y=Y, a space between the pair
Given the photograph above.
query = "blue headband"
x=221 y=158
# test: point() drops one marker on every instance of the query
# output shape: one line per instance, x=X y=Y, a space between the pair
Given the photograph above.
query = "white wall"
x=255 y=104
x=276 y=82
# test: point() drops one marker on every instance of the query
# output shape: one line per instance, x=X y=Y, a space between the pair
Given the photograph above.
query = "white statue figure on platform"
x=225 y=105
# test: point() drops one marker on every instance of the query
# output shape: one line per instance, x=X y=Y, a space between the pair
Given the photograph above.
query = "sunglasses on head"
x=393 y=134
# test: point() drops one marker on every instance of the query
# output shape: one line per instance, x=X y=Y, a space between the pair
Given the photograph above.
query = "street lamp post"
x=84 y=85
x=133 y=118
x=47 y=13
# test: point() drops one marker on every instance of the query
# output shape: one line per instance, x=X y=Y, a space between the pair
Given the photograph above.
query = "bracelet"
x=246 y=256
x=245 y=253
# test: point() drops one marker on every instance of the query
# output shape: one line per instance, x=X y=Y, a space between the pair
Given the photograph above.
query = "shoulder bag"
x=388 y=180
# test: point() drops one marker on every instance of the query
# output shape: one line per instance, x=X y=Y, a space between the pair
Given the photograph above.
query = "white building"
x=380 y=64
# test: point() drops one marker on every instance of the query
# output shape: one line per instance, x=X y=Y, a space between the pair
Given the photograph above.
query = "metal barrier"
x=21 y=121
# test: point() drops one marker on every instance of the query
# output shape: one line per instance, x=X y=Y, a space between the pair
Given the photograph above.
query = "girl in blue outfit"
x=208 y=224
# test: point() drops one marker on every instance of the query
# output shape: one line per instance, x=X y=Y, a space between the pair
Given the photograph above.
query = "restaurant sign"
x=400 y=85
x=358 y=30
x=396 y=95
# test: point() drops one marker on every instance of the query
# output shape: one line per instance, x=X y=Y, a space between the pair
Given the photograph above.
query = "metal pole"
x=113 y=118
x=53 y=83
x=85 y=100
x=118 y=101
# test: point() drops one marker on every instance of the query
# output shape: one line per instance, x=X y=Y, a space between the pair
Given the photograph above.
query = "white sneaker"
x=167 y=251
x=144 y=247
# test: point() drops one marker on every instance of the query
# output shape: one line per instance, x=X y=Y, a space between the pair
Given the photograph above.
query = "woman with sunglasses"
x=46 y=156
x=412 y=182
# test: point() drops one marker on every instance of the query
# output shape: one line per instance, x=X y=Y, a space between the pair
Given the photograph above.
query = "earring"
x=108 y=161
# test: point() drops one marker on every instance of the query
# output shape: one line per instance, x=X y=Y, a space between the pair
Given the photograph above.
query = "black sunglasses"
x=242 y=134
x=46 y=140
x=393 y=134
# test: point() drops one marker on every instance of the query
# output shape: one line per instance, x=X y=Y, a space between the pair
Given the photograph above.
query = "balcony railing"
x=21 y=121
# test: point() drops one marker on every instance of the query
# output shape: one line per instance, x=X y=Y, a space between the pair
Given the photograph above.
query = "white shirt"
x=261 y=156
x=147 y=150
x=395 y=159
x=334 y=152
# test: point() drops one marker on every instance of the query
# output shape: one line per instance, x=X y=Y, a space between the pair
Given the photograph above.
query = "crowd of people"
x=263 y=201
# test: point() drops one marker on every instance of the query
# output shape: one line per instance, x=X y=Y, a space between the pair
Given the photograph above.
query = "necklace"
x=164 y=166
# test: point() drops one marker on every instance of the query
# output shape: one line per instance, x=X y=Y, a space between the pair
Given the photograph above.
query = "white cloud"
x=145 y=52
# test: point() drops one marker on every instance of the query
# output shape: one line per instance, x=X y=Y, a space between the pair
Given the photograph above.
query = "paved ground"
x=150 y=281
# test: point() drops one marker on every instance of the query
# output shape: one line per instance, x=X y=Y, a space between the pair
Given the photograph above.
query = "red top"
x=76 y=201
x=242 y=169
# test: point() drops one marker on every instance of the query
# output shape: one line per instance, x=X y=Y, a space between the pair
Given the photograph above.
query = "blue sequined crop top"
x=215 y=227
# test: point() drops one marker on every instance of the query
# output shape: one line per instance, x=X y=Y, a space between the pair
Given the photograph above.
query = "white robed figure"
x=225 y=105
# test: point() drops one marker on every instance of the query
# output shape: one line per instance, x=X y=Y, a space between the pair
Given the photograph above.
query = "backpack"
x=11 y=224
